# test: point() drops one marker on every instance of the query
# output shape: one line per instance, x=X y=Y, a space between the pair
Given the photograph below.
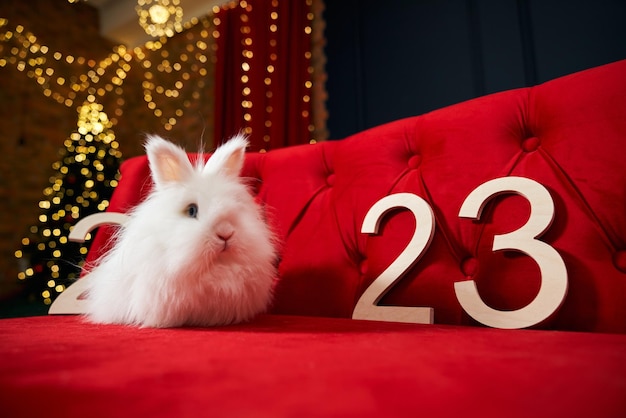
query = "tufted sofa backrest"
x=568 y=134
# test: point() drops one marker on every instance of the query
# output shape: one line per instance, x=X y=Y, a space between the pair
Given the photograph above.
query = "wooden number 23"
x=551 y=266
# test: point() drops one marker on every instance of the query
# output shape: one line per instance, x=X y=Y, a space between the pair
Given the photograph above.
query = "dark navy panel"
x=344 y=84
x=416 y=63
x=502 y=49
x=578 y=34
x=393 y=59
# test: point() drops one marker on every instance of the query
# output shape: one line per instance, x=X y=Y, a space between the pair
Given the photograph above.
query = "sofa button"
x=619 y=260
x=469 y=266
x=330 y=180
x=415 y=161
x=531 y=144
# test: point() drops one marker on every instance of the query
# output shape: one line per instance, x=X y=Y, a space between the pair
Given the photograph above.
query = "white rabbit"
x=196 y=252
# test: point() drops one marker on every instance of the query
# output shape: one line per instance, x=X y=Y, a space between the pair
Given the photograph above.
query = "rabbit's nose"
x=225 y=236
x=225 y=232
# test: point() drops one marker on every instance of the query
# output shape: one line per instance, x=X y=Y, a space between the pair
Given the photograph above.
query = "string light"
x=260 y=69
x=247 y=55
x=308 y=84
x=97 y=79
x=269 y=72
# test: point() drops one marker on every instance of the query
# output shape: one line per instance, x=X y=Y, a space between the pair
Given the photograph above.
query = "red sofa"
x=308 y=358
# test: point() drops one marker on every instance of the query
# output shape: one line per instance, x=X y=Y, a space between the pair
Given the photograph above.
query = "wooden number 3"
x=551 y=266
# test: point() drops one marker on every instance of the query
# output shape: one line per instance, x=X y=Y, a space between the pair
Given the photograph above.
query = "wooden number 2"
x=366 y=307
x=553 y=272
x=70 y=302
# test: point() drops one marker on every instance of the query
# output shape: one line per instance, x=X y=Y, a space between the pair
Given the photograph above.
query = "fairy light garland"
x=308 y=84
x=93 y=79
x=269 y=70
x=99 y=79
x=246 y=67
x=261 y=108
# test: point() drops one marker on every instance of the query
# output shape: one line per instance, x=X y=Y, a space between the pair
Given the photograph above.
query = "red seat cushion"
x=282 y=366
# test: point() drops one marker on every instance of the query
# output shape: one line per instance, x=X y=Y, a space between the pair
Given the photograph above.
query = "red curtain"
x=263 y=74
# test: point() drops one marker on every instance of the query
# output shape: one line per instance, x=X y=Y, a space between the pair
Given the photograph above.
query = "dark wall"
x=397 y=58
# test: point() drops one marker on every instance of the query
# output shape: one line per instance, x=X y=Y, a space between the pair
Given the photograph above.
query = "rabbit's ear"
x=229 y=157
x=168 y=162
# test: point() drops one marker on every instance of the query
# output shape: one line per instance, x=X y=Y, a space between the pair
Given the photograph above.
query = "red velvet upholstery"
x=302 y=367
x=568 y=134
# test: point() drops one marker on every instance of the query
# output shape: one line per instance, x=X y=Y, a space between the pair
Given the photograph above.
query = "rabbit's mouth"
x=225 y=241
x=225 y=236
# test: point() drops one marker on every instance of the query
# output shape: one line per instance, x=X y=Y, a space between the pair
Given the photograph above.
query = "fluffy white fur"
x=169 y=269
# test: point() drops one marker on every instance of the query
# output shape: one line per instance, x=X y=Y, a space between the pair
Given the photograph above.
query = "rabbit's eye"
x=192 y=210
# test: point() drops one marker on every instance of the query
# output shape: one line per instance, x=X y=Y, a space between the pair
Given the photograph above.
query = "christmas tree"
x=84 y=179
